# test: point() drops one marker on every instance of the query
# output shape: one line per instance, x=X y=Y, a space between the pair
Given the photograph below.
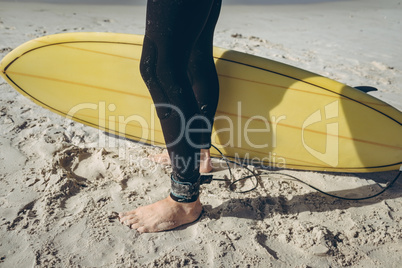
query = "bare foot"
x=205 y=160
x=163 y=215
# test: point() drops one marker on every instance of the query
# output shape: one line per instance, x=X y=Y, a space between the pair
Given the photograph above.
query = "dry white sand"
x=61 y=182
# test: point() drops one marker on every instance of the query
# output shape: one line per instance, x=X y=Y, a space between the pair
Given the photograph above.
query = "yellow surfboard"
x=269 y=113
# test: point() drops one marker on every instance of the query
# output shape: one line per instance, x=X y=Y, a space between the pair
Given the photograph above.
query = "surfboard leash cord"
x=233 y=181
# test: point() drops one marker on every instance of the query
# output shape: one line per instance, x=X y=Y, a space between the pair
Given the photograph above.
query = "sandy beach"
x=62 y=183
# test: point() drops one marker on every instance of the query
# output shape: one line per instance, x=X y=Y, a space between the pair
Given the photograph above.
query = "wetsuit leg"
x=172 y=29
x=203 y=75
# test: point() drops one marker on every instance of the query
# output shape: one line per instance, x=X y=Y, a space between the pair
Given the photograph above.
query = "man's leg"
x=204 y=81
x=171 y=32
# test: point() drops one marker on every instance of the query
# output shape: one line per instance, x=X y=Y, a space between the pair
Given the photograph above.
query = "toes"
x=127 y=219
x=130 y=222
x=142 y=229
x=136 y=226
x=122 y=218
x=127 y=213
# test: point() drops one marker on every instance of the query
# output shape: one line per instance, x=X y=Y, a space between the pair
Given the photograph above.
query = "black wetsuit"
x=178 y=68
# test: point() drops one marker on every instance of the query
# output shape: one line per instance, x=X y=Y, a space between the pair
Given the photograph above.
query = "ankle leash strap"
x=187 y=192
